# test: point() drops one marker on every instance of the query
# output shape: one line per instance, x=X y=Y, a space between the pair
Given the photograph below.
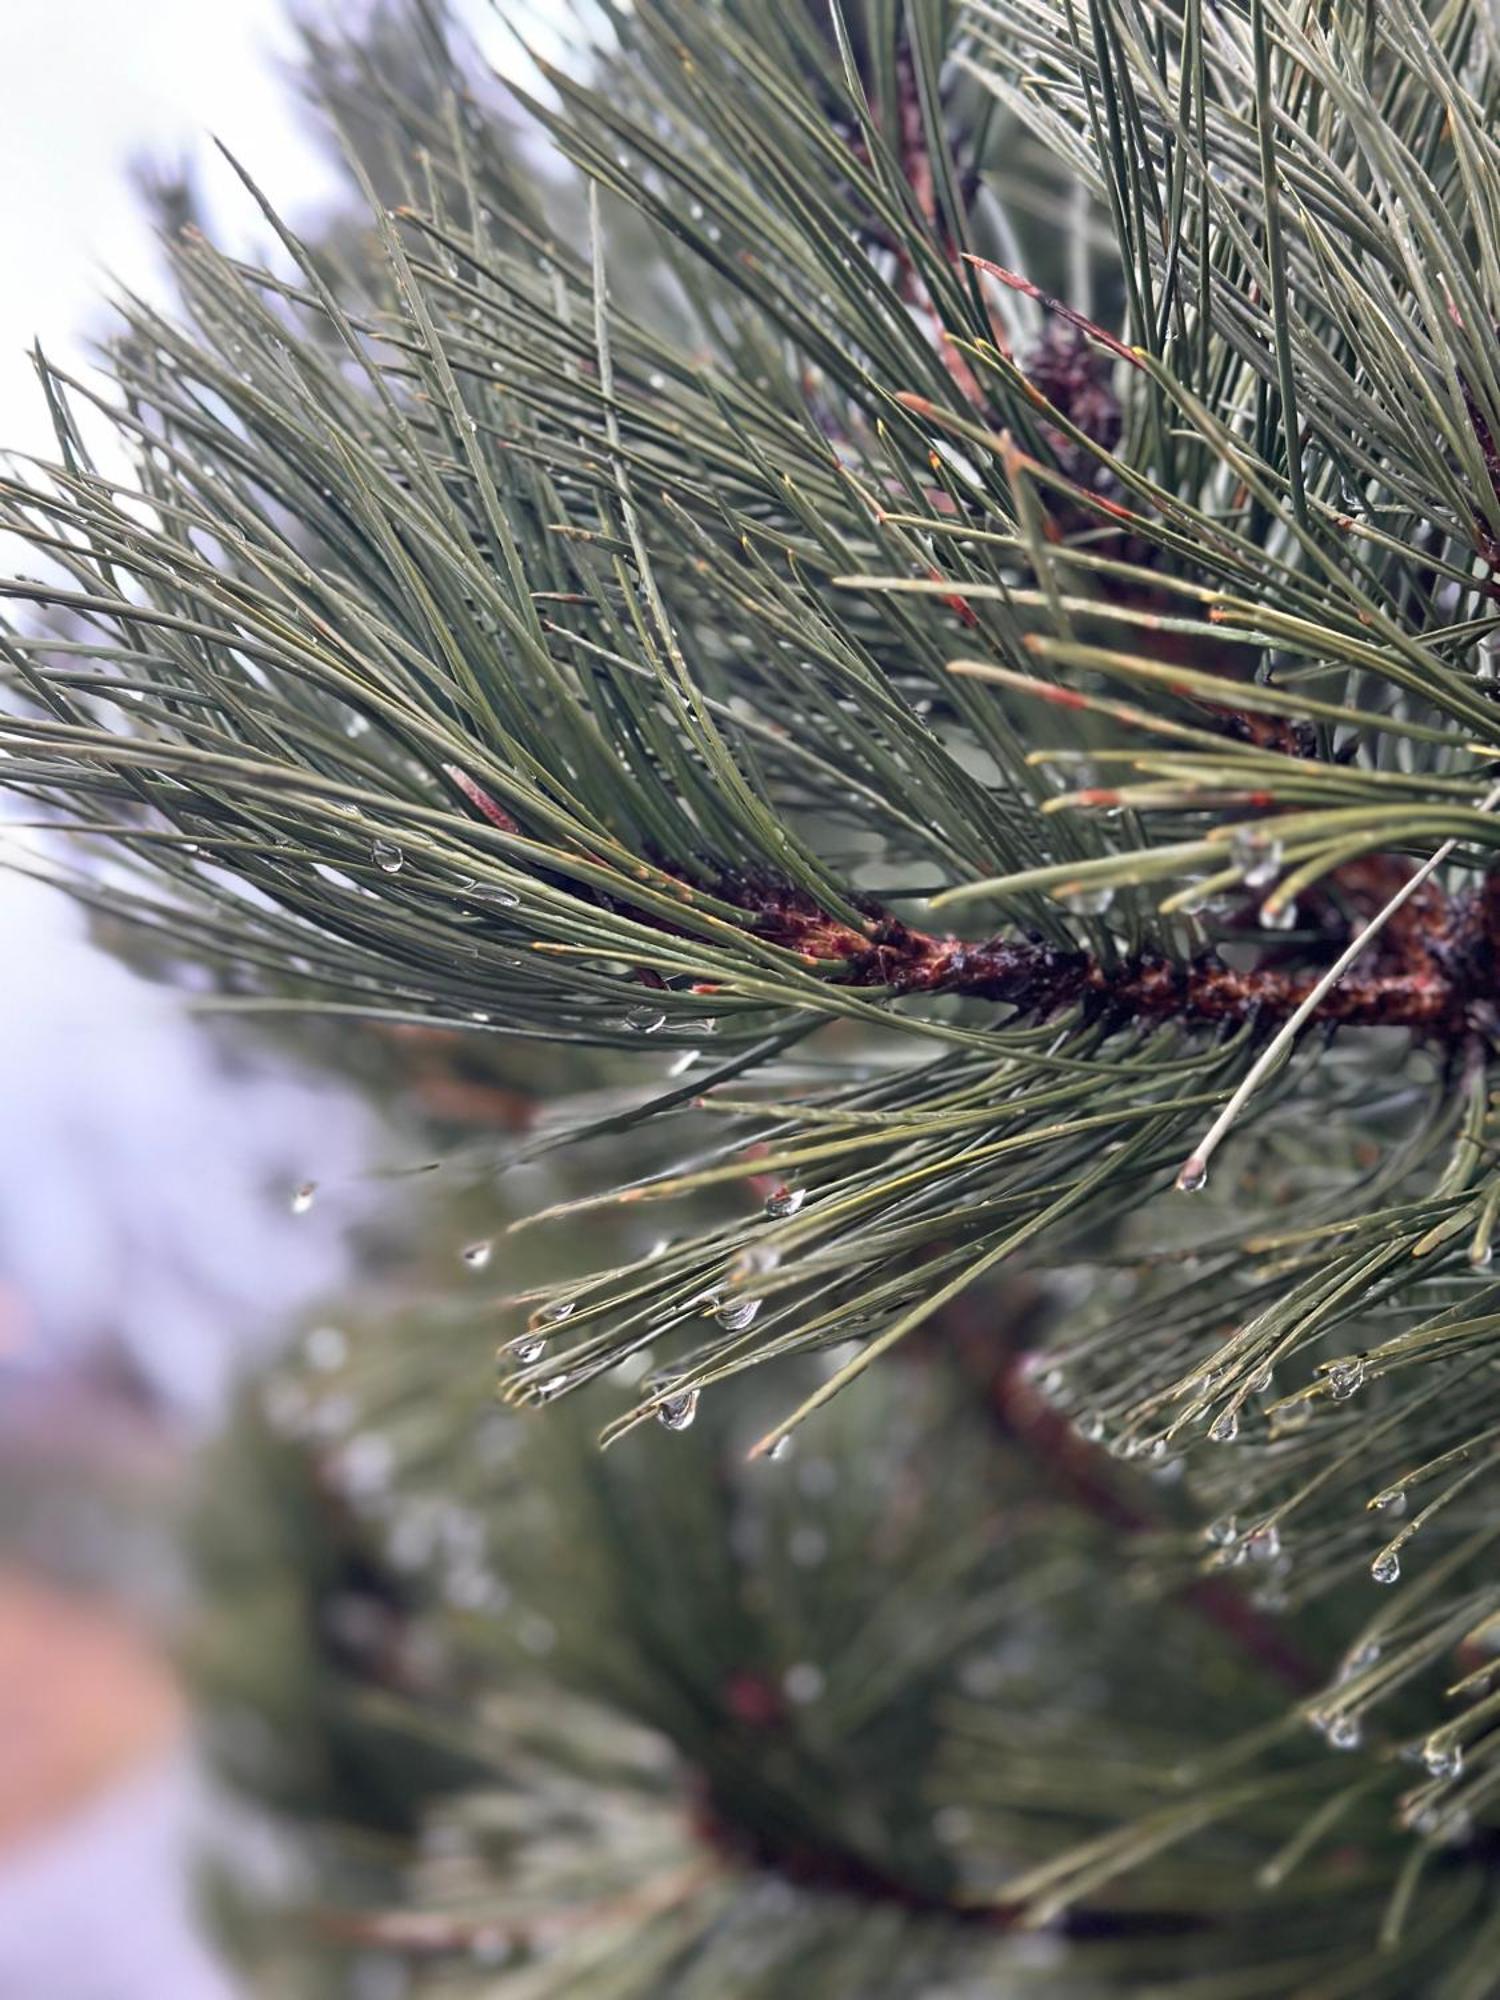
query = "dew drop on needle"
x=675 y=1413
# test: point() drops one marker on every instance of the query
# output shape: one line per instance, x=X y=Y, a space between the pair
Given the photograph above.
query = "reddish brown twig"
x=1437 y=978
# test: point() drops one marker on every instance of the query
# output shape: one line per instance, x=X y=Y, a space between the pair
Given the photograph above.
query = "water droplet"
x=537 y=1634
x=527 y=1347
x=477 y=1255
x=1257 y=854
x=552 y=1387
x=736 y=1314
x=781 y=1449
x=1089 y=902
x=1090 y=1427
x=554 y=1312
x=803 y=1683
x=1393 y=1501
x=1277 y=916
x=1345 y=1378
x=387 y=856
x=1192 y=1177
x=303 y=1197
x=1443 y=1757
x=807 y=1546
x=1225 y=1428
x=784 y=1201
x=675 y=1413
x=1221 y=1532
x=1264 y=1544
x=1386 y=1567
x=1263 y=1384
x=326 y=1349
x=645 y=1020
x=754 y=1262
x=478 y=1014
x=656 y=380
x=1344 y=1732
x=681 y=1064
x=495 y=893
x=365 y=1465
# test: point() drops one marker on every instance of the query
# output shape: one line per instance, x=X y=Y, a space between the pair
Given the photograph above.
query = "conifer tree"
x=926 y=616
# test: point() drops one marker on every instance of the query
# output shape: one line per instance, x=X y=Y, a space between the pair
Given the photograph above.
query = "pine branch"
x=1440 y=982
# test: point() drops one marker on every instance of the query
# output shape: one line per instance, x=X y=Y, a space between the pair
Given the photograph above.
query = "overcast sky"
x=90 y=85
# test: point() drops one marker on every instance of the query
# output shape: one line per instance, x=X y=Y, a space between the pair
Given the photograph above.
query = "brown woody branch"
x=1437 y=975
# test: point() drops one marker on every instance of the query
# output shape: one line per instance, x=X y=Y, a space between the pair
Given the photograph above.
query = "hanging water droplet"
x=675 y=1413
x=803 y=1682
x=1257 y=854
x=784 y=1201
x=807 y=1546
x=552 y=1387
x=1443 y=1757
x=1089 y=902
x=553 y=1312
x=645 y=1020
x=365 y=1465
x=1392 y=1501
x=781 y=1449
x=1386 y=1567
x=1192 y=1176
x=1225 y=1428
x=326 y=1349
x=1276 y=916
x=526 y=1348
x=736 y=1314
x=387 y=856
x=1344 y=1732
x=478 y=1014
x=1263 y=1384
x=303 y=1197
x=681 y=1064
x=1264 y=1544
x=477 y=1255
x=1221 y=1532
x=1345 y=1378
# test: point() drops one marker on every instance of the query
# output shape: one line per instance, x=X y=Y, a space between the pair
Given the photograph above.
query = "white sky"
x=90 y=84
